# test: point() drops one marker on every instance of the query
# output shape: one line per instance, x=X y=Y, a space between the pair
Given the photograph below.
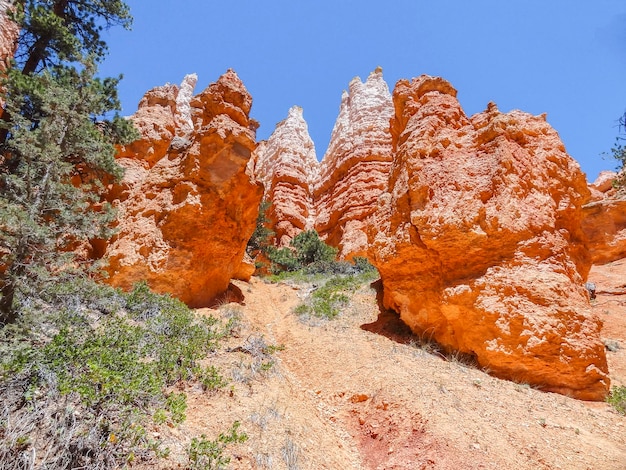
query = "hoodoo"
x=355 y=168
x=287 y=166
x=187 y=206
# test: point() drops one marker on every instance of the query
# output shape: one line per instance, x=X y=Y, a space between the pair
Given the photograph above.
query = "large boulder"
x=479 y=243
x=187 y=205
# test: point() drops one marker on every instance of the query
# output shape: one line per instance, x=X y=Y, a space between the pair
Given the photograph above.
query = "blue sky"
x=563 y=57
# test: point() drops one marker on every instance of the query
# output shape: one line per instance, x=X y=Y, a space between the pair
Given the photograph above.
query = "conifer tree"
x=57 y=149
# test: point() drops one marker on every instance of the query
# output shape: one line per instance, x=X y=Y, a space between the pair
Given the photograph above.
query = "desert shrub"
x=282 y=259
x=84 y=371
x=308 y=252
x=260 y=241
x=328 y=300
x=208 y=455
x=617 y=398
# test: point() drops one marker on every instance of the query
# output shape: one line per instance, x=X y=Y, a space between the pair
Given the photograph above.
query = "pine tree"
x=58 y=150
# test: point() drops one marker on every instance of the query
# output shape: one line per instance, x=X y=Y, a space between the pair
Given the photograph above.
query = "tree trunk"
x=8 y=314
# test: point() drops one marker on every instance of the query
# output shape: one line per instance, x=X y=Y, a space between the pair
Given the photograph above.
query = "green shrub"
x=208 y=455
x=328 y=300
x=262 y=235
x=282 y=259
x=101 y=360
x=308 y=252
x=310 y=249
x=617 y=398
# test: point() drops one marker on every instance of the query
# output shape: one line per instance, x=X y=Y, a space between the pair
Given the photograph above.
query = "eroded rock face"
x=354 y=170
x=9 y=33
x=479 y=245
x=604 y=221
x=288 y=168
x=338 y=195
x=186 y=205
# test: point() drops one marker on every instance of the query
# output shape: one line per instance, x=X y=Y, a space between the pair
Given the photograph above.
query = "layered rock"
x=354 y=170
x=186 y=205
x=604 y=221
x=287 y=166
x=336 y=196
x=479 y=245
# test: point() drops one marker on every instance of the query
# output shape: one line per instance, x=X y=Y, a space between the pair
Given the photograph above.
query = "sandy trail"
x=356 y=393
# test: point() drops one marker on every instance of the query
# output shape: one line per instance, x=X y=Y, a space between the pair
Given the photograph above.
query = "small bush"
x=617 y=398
x=328 y=300
x=261 y=238
x=208 y=455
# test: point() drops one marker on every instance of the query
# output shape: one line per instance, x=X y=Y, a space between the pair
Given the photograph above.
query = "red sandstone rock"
x=604 y=221
x=187 y=206
x=287 y=167
x=479 y=245
x=354 y=170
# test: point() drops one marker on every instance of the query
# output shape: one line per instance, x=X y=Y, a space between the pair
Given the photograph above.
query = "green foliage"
x=328 y=300
x=57 y=31
x=55 y=157
x=617 y=398
x=209 y=455
x=260 y=241
x=210 y=378
x=309 y=252
x=618 y=152
x=282 y=259
x=111 y=357
x=310 y=249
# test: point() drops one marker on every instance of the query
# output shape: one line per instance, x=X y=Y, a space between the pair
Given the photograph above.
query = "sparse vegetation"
x=82 y=373
x=334 y=293
x=617 y=398
x=618 y=152
x=261 y=238
x=209 y=455
x=57 y=144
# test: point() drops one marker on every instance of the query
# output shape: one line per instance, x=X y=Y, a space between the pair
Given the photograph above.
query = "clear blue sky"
x=563 y=57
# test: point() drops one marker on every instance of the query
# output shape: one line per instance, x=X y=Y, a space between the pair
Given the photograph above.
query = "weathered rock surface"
x=9 y=33
x=288 y=168
x=355 y=168
x=337 y=195
x=186 y=205
x=604 y=220
x=479 y=245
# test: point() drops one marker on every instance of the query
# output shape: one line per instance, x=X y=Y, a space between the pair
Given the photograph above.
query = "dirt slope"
x=356 y=393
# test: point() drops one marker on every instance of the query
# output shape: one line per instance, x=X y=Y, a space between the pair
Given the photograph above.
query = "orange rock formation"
x=355 y=168
x=9 y=33
x=187 y=206
x=337 y=195
x=604 y=221
x=479 y=245
x=287 y=166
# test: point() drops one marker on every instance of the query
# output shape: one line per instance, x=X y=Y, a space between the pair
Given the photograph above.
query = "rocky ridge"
x=355 y=168
x=337 y=195
x=287 y=166
x=476 y=224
